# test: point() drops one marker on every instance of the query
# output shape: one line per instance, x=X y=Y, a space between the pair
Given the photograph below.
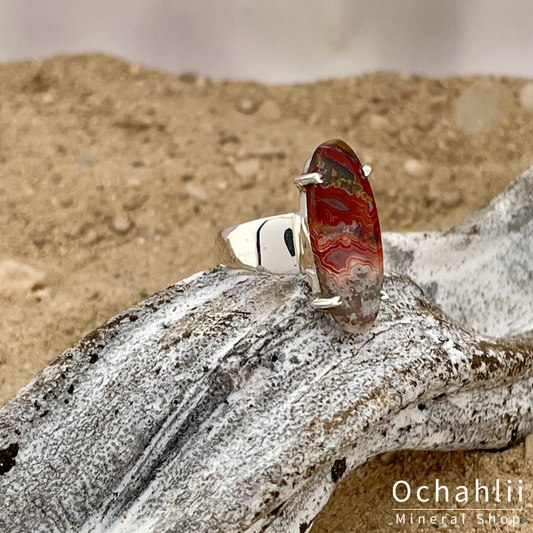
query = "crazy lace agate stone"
x=345 y=235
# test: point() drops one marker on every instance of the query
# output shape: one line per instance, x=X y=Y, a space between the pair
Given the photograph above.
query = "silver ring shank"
x=277 y=244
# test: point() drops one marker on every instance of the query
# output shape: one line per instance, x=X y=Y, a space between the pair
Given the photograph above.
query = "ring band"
x=334 y=238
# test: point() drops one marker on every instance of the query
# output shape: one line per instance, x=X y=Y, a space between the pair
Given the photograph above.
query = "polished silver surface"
x=307 y=179
x=367 y=169
x=326 y=303
x=305 y=251
x=269 y=244
x=277 y=245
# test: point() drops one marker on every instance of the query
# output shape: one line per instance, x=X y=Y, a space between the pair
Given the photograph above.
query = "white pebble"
x=121 y=225
x=452 y=198
x=17 y=279
x=416 y=168
x=195 y=191
x=247 y=106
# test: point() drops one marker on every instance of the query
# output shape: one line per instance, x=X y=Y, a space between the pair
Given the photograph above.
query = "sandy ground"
x=115 y=178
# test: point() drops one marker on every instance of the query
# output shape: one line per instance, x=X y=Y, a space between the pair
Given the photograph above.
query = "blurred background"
x=280 y=40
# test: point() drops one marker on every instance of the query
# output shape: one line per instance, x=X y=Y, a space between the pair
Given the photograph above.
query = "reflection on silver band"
x=307 y=179
x=278 y=245
x=326 y=303
x=266 y=244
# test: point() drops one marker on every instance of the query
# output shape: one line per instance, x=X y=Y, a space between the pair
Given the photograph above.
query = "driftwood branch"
x=226 y=404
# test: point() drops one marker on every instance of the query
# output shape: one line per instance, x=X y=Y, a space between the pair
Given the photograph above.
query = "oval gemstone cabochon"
x=345 y=235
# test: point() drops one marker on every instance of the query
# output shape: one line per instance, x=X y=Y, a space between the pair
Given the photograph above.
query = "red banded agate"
x=345 y=235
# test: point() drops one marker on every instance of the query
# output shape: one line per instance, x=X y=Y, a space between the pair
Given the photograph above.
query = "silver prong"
x=367 y=169
x=307 y=179
x=326 y=303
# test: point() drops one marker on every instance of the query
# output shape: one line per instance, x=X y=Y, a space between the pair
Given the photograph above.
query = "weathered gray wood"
x=226 y=404
x=479 y=272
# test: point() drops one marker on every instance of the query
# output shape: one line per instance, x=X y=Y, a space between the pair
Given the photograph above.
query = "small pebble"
x=134 y=202
x=48 y=98
x=269 y=111
x=38 y=241
x=452 y=198
x=121 y=225
x=195 y=191
x=41 y=294
x=201 y=84
x=416 y=168
x=90 y=238
x=526 y=96
x=134 y=182
x=135 y=69
x=229 y=139
x=388 y=458
x=247 y=106
x=377 y=122
x=248 y=169
x=17 y=279
x=78 y=230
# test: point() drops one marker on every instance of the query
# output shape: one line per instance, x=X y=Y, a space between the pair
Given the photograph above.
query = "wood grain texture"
x=225 y=403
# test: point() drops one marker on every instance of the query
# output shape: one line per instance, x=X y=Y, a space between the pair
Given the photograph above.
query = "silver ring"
x=334 y=238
